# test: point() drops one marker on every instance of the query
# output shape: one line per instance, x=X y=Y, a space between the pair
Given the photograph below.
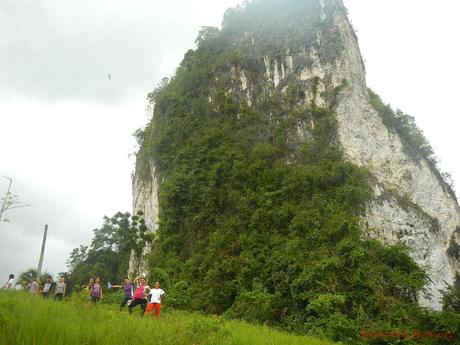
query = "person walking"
x=9 y=282
x=60 y=289
x=46 y=287
x=140 y=294
x=155 y=300
x=128 y=288
x=96 y=291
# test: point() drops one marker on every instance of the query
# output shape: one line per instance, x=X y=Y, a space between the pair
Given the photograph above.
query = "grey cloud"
x=59 y=210
x=22 y=236
x=20 y=253
x=68 y=127
x=55 y=50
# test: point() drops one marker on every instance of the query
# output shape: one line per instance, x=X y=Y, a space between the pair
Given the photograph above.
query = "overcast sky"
x=66 y=128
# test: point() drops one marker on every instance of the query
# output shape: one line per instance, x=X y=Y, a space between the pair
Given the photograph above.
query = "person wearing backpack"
x=140 y=294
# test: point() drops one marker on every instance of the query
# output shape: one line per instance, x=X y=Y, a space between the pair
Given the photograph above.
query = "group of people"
x=33 y=286
x=148 y=298
x=136 y=292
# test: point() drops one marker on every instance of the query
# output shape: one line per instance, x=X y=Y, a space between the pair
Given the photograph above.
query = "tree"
x=451 y=299
x=123 y=234
x=31 y=274
x=206 y=33
x=120 y=236
x=140 y=241
x=77 y=256
x=9 y=201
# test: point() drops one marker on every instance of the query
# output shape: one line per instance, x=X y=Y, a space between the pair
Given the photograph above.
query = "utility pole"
x=40 y=262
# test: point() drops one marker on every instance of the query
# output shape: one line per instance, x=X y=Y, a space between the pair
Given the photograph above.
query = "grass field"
x=31 y=320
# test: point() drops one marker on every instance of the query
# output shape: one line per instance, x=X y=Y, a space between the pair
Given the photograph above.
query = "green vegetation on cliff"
x=415 y=143
x=259 y=212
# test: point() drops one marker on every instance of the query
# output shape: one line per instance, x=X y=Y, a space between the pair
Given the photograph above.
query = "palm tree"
x=30 y=274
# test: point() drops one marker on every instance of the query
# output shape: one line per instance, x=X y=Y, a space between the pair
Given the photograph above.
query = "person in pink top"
x=140 y=294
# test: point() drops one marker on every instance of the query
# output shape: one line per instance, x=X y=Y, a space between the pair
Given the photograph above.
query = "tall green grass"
x=27 y=319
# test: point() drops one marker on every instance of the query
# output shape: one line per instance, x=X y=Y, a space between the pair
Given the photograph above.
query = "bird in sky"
x=108 y=75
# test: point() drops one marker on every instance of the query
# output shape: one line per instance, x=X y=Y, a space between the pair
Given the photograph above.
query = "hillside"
x=280 y=189
x=26 y=319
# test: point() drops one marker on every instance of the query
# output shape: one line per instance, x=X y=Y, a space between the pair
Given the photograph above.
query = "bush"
x=255 y=306
x=158 y=274
x=179 y=296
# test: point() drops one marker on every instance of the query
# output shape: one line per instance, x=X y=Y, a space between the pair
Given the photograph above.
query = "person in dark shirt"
x=128 y=288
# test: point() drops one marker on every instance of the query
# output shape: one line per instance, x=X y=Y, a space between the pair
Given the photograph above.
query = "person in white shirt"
x=9 y=282
x=46 y=287
x=155 y=300
x=59 y=293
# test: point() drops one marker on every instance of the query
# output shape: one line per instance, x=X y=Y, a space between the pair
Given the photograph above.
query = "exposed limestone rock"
x=244 y=81
x=428 y=224
x=145 y=199
x=290 y=63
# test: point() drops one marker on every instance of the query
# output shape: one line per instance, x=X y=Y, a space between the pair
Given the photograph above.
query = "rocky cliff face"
x=412 y=204
x=145 y=199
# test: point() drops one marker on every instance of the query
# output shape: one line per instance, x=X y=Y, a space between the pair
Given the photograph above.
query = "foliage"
x=206 y=33
x=77 y=257
x=451 y=299
x=404 y=125
x=121 y=236
x=417 y=145
x=178 y=297
x=255 y=306
x=27 y=276
x=157 y=274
